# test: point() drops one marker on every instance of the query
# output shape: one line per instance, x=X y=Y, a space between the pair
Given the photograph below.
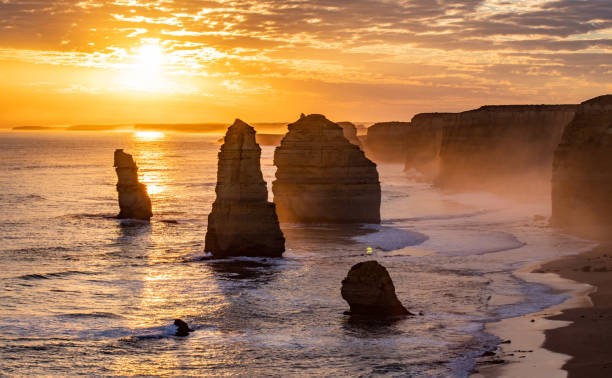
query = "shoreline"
x=528 y=353
x=588 y=337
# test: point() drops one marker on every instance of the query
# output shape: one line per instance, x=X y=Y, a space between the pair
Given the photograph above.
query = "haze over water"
x=83 y=293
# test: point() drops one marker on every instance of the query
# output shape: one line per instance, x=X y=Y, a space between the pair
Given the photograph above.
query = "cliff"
x=492 y=147
x=322 y=177
x=350 y=132
x=423 y=142
x=242 y=221
x=582 y=172
x=385 y=141
x=134 y=201
x=269 y=139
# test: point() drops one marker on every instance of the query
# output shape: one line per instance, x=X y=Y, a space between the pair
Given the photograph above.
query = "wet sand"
x=521 y=354
x=575 y=336
x=588 y=338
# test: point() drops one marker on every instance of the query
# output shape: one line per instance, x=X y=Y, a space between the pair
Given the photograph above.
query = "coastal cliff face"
x=350 y=132
x=423 y=142
x=492 y=147
x=134 y=201
x=322 y=177
x=386 y=141
x=582 y=172
x=242 y=221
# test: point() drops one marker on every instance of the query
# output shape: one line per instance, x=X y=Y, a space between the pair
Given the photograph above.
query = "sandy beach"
x=588 y=338
x=571 y=339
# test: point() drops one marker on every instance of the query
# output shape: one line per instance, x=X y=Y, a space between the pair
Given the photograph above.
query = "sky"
x=175 y=61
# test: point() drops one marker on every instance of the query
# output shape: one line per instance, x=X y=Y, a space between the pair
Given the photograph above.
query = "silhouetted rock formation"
x=322 y=177
x=386 y=141
x=134 y=201
x=182 y=328
x=423 y=142
x=369 y=291
x=582 y=172
x=493 y=146
x=269 y=139
x=350 y=132
x=242 y=221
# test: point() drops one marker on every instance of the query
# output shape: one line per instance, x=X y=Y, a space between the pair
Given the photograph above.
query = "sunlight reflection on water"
x=83 y=293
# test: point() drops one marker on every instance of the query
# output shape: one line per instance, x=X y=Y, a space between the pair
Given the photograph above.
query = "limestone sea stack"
x=242 y=221
x=369 y=291
x=582 y=172
x=134 y=201
x=322 y=178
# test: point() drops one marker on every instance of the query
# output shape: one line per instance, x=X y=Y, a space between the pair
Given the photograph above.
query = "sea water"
x=84 y=293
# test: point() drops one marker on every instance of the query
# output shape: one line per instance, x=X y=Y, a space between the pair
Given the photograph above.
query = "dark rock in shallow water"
x=322 y=177
x=182 y=328
x=134 y=201
x=242 y=221
x=369 y=291
x=582 y=172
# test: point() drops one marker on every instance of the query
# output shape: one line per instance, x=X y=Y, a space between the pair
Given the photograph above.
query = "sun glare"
x=150 y=57
x=148 y=135
x=145 y=72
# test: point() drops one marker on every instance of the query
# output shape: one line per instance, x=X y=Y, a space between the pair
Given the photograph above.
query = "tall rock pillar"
x=242 y=221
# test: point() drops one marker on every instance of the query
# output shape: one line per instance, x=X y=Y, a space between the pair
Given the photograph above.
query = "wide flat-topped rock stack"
x=322 y=178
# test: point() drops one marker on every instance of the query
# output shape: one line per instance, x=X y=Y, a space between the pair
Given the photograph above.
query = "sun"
x=144 y=72
x=150 y=57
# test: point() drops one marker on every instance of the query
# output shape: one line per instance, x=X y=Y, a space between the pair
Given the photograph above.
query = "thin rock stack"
x=134 y=201
x=322 y=177
x=242 y=221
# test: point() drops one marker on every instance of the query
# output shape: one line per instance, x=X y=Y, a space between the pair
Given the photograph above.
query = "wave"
x=101 y=314
x=53 y=166
x=437 y=217
x=390 y=239
x=48 y=276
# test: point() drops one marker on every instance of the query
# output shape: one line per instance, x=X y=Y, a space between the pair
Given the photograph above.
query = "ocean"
x=84 y=293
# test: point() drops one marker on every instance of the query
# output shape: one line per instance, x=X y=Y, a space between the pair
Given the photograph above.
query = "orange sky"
x=123 y=61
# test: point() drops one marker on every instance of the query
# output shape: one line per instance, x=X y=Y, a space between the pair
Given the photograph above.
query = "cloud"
x=463 y=45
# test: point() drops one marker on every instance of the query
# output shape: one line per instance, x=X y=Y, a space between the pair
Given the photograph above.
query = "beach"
x=588 y=338
x=572 y=339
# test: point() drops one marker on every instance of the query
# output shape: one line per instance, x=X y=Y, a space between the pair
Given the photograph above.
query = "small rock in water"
x=182 y=328
x=369 y=291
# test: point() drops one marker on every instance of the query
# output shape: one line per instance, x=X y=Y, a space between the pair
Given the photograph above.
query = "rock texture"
x=494 y=146
x=321 y=177
x=423 y=142
x=350 y=132
x=134 y=201
x=268 y=139
x=369 y=291
x=242 y=221
x=582 y=172
x=386 y=141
